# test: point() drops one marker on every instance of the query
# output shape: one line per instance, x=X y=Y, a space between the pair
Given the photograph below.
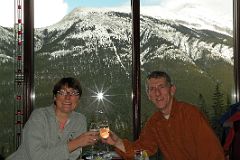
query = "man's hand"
x=115 y=141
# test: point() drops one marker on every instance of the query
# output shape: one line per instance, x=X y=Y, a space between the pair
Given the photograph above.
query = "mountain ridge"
x=89 y=36
x=97 y=49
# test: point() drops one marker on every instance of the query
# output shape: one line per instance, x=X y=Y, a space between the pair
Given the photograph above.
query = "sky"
x=48 y=12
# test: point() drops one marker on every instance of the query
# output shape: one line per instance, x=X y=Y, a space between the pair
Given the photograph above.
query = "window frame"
x=236 y=38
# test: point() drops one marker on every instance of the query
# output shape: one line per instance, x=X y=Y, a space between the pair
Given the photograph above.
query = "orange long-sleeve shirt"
x=186 y=135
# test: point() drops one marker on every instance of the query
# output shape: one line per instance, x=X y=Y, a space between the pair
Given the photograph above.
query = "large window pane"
x=193 y=42
x=93 y=44
x=7 y=96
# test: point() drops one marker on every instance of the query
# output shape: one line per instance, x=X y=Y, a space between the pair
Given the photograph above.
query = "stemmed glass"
x=104 y=129
x=104 y=133
x=94 y=128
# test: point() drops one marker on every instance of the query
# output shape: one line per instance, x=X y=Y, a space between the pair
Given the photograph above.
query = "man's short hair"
x=158 y=74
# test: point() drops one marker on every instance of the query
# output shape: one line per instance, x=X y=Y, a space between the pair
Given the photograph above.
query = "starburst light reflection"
x=101 y=98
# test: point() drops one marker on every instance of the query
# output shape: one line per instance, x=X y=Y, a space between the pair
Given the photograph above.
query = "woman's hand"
x=85 y=139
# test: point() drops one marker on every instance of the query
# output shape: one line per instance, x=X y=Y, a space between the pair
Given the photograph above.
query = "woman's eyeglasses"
x=65 y=93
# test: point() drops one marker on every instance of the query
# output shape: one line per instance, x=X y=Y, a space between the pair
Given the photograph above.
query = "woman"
x=56 y=132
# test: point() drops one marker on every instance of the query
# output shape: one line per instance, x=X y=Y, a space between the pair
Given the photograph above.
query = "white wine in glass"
x=104 y=129
x=94 y=128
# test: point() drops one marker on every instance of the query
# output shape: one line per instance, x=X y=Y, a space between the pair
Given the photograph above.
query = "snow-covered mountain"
x=6 y=44
x=97 y=41
x=93 y=26
x=96 y=47
x=98 y=26
x=196 y=15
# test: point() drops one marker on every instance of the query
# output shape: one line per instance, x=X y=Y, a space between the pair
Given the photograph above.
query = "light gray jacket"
x=42 y=140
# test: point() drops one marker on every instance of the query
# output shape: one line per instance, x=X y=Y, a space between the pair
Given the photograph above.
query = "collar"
x=172 y=112
x=53 y=114
x=174 y=108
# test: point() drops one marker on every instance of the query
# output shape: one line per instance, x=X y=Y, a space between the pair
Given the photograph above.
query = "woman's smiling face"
x=67 y=99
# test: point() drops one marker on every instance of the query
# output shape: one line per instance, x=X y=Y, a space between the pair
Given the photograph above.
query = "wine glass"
x=94 y=128
x=140 y=155
x=104 y=129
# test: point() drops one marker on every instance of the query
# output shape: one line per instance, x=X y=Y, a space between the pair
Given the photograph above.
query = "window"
x=99 y=54
x=93 y=44
x=195 y=46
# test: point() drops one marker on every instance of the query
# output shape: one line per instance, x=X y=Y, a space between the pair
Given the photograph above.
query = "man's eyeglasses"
x=65 y=93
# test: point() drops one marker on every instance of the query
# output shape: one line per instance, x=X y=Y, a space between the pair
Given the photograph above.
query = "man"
x=178 y=129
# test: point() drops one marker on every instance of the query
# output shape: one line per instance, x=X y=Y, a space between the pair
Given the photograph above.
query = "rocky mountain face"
x=96 y=47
